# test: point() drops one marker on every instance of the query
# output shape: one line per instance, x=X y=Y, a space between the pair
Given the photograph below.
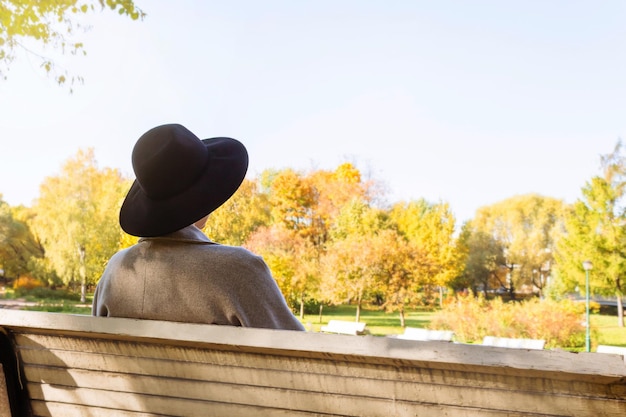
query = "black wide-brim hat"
x=179 y=179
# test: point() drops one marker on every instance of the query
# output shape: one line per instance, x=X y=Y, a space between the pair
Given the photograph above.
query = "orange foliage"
x=27 y=283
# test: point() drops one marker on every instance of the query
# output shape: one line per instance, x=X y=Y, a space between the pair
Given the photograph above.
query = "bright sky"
x=467 y=102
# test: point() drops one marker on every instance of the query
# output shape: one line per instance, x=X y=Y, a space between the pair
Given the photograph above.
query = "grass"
x=378 y=322
x=605 y=331
x=46 y=299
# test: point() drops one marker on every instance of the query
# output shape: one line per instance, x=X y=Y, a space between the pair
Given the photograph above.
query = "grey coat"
x=185 y=277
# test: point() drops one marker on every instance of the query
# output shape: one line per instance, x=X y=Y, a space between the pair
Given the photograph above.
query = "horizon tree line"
x=329 y=237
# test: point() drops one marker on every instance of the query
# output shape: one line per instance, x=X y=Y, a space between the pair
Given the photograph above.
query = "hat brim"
x=225 y=171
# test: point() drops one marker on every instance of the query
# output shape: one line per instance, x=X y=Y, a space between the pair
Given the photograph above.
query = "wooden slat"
x=5 y=406
x=51 y=409
x=273 y=390
x=172 y=362
x=326 y=405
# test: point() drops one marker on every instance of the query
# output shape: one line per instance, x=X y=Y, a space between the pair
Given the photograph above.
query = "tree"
x=235 y=221
x=430 y=228
x=292 y=199
x=350 y=267
x=526 y=228
x=483 y=261
x=596 y=231
x=44 y=23
x=292 y=260
x=400 y=276
x=76 y=218
x=17 y=244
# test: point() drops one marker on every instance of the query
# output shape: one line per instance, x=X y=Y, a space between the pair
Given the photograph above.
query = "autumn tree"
x=483 y=261
x=596 y=231
x=333 y=190
x=352 y=263
x=292 y=260
x=292 y=199
x=400 y=277
x=18 y=246
x=308 y=203
x=526 y=228
x=77 y=218
x=430 y=228
x=33 y=26
x=235 y=221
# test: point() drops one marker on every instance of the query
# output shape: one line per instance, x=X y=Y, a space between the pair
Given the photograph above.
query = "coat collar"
x=190 y=234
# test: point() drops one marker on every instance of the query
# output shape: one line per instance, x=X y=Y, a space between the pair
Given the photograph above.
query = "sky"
x=463 y=102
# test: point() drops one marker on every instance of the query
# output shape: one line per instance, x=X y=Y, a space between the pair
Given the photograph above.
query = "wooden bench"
x=616 y=350
x=514 y=343
x=416 y=333
x=76 y=366
x=344 y=327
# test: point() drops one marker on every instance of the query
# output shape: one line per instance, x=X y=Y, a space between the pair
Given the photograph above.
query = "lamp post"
x=587 y=265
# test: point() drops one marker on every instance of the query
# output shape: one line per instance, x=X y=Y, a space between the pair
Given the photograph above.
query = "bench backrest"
x=74 y=366
x=415 y=333
x=616 y=350
x=344 y=327
x=515 y=343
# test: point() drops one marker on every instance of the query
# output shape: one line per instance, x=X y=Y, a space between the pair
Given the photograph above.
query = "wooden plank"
x=234 y=363
x=362 y=407
x=565 y=365
x=132 y=357
x=52 y=409
x=265 y=386
x=5 y=406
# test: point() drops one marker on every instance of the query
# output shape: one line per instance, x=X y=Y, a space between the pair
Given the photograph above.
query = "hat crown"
x=167 y=160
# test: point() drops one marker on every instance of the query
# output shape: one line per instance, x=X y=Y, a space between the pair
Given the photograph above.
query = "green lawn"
x=605 y=331
x=378 y=322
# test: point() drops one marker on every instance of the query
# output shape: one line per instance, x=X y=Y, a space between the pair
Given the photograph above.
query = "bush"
x=26 y=282
x=472 y=318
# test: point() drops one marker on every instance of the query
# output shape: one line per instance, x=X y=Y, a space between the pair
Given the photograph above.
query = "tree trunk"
x=302 y=305
x=358 y=311
x=83 y=292
x=402 y=323
x=620 y=311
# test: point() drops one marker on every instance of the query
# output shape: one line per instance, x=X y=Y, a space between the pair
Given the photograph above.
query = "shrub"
x=471 y=318
x=26 y=282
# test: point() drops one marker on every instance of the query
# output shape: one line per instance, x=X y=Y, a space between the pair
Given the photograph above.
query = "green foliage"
x=596 y=232
x=516 y=238
x=472 y=318
x=18 y=246
x=37 y=24
x=234 y=222
x=77 y=215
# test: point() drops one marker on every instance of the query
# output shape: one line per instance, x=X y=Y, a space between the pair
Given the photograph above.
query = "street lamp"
x=587 y=265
